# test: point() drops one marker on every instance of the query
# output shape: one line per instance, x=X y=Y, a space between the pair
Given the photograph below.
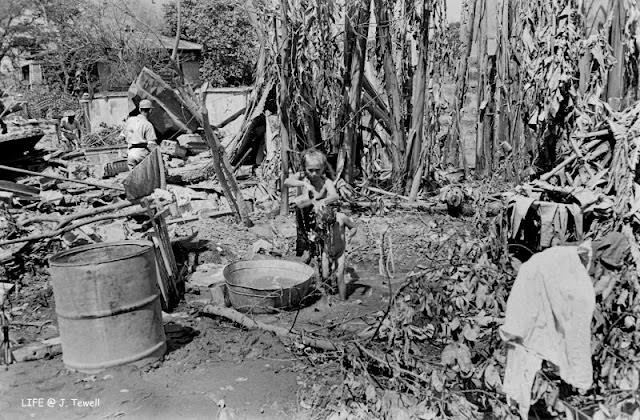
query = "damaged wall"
x=112 y=108
x=224 y=102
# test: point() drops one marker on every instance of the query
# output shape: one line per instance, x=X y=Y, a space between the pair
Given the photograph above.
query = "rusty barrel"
x=108 y=305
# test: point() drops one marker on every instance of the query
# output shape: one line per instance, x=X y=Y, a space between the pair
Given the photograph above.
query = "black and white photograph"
x=319 y=209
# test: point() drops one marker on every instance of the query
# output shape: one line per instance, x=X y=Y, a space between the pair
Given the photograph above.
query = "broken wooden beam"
x=201 y=215
x=44 y=349
x=229 y=119
x=591 y=134
x=131 y=212
x=60 y=178
x=421 y=206
x=569 y=160
x=20 y=190
x=245 y=321
x=383 y=192
x=352 y=347
x=63 y=221
x=170 y=278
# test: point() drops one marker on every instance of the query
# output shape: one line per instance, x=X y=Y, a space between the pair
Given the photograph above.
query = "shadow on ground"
x=178 y=335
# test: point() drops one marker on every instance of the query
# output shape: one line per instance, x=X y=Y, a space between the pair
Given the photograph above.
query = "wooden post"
x=229 y=187
x=219 y=160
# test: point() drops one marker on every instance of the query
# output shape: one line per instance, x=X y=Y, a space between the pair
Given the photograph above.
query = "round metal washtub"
x=108 y=305
x=262 y=286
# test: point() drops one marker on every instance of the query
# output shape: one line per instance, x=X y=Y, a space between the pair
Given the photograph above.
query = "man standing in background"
x=140 y=135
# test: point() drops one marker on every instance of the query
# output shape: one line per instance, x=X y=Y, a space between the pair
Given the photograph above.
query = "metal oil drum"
x=108 y=305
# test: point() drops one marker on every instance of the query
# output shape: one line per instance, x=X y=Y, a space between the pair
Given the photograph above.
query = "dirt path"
x=211 y=360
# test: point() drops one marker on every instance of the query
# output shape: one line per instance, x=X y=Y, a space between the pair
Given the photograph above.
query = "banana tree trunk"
x=348 y=151
x=392 y=87
x=414 y=152
x=454 y=147
x=283 y=106
x=484 y=87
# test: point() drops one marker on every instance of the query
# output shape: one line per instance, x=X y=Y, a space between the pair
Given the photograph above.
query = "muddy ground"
x=211 y=362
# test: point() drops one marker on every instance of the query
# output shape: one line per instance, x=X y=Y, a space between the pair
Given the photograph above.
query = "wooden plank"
x=163 y=173
x=166 y=240
x=165 y=260
x=167 y=253
x=161 y=234
x=39 y=350
x=20 y=190
x=163 y=256
x=5 y=289
x=60 y=178
x=162 y=277
x=176 y=278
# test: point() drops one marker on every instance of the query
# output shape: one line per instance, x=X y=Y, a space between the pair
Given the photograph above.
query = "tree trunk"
x=174 y=53
x=503 y=94
x=414 y=151
x=261 y=87
x=312 y=119
x=615 y=80
x=392 y=86
x=348 y=150
x=488 y=151
x=283 y=105
x=220 y=162
x=454 y=139
x=214 y=145
x=516 y=134
x=481 y=157
x=377 y=107
x=67 y=78
x=343 y=116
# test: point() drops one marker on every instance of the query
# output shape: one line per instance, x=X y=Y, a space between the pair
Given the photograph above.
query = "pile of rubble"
x=79 y=198
x=105 y=136
x=69 y=199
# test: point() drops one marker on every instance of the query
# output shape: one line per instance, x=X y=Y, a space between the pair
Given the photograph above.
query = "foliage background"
x=69 y=37
x=229 y=42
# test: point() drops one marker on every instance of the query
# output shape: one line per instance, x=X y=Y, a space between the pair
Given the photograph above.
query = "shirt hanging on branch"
x=548 y=317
